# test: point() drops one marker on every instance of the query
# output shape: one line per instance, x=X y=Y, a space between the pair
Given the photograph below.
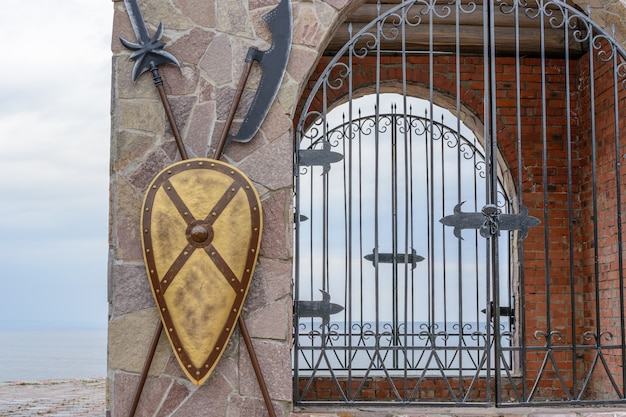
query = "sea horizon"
x=52 y=351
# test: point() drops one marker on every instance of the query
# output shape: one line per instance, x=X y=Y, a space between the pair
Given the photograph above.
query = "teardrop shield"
x=201 y=231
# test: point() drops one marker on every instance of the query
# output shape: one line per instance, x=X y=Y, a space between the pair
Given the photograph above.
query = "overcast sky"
x=55 y=71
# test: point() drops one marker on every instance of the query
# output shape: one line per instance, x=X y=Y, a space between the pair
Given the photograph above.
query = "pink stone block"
x=274 y=242
x=272 y=165
x=275 y=362
x=209 y=400
x=153 y=392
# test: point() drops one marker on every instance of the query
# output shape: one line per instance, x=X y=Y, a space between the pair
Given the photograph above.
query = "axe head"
x=273 y=64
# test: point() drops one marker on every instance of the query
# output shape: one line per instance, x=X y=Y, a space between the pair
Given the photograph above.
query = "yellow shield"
x=201 y=231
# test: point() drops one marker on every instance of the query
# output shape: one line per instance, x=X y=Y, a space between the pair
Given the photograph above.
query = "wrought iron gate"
x=458 y=224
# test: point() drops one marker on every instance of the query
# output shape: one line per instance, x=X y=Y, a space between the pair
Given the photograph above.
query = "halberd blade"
x=148 y=52
x=273 y=65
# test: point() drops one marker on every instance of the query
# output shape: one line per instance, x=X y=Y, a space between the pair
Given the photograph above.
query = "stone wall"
x=210 y=39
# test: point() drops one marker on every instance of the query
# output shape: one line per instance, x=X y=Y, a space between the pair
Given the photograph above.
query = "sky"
x=55 y=81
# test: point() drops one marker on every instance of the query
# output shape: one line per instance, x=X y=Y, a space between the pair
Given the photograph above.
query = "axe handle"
x=256 y=366
x=146 y=368
x=236 y=99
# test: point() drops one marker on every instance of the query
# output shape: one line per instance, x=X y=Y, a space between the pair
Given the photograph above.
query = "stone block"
x=301 y=61
x=193 y=46
x=256 y=298
x=307 y=30
x=202 y=12
x=130 y=337
x=199 y=130
x=209 y=400
x=141 y=178
x=143 y=115
x=151 y=396
x=129 y=147
x=276 y=238
x=275 y=362
x=131 y=291
x=125 y=221
x=272 y=321
x=278 y=278
x=272 y=165
x=217 y=61
x=232 y=18
x=174 y=397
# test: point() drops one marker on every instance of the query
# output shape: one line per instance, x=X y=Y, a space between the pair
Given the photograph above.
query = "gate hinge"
x=489 y=221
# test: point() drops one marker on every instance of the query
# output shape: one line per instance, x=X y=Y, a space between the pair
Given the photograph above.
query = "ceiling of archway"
x=470 y=30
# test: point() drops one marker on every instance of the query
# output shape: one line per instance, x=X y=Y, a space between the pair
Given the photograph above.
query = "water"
x=34 y=355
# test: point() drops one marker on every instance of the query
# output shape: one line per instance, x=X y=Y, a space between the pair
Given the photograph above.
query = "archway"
x=550 y=118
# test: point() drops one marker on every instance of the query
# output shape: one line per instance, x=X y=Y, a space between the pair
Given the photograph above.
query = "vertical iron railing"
x=415 y=309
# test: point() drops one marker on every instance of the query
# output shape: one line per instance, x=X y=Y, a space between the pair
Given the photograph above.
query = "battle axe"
x=273 y=62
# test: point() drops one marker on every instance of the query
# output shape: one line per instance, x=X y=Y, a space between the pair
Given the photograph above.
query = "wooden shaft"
x=219 y=150
x=158 y=83
x=256 y=366
x=146 y=368
x=242 y=324
x=170 y=118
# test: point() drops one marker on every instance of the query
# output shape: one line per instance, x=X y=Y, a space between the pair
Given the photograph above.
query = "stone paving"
x=86 y=398
x=76 y=398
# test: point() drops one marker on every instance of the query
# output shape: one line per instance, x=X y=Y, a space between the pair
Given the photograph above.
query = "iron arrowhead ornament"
x=201 y=231
x=401 y=258
x=322 y=309
x=319 y=157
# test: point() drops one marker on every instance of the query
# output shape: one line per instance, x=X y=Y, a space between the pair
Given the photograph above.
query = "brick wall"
x=559 y=287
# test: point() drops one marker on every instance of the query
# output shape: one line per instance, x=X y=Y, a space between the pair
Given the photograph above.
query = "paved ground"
x=84 y=398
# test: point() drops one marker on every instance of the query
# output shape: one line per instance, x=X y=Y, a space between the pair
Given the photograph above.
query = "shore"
x=64 y=398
